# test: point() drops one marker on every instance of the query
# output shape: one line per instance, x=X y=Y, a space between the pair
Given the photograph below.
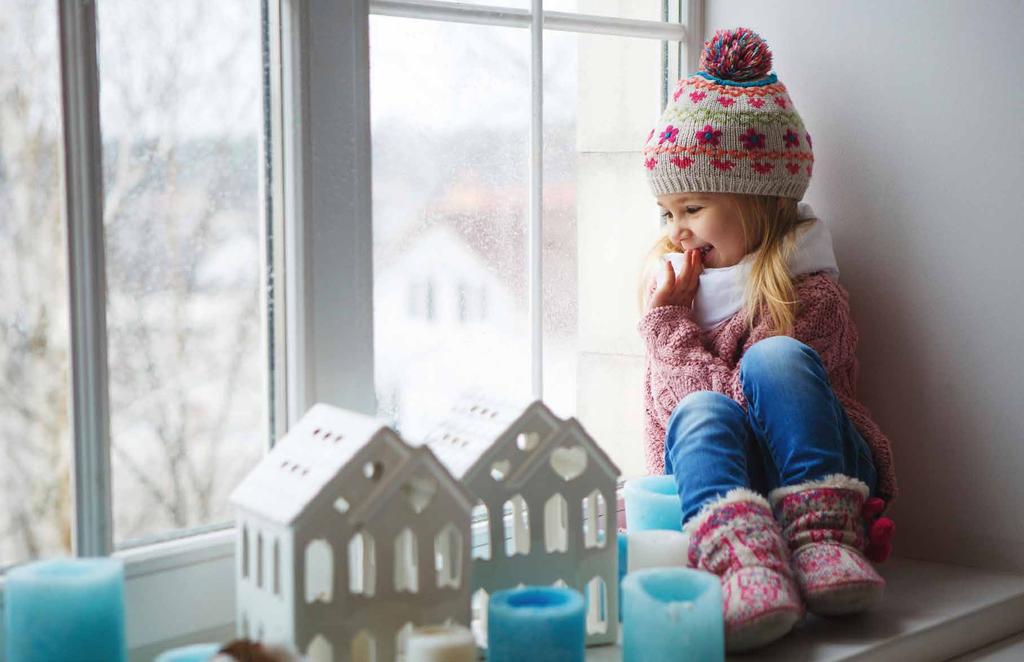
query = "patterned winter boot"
x=823 y=525
x=735 y=537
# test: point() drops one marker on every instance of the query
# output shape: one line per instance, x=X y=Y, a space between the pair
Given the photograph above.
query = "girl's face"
x=696 y=220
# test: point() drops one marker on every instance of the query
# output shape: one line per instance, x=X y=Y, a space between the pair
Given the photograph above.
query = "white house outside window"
x=450 y=120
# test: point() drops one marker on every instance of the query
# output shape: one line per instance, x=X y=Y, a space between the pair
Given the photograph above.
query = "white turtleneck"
x=720 y=293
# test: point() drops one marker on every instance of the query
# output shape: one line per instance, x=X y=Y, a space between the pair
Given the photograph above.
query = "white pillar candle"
x=441 y=643
x=657 y=549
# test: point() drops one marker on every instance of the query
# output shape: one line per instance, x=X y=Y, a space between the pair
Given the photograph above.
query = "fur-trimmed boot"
x=735 y=537
x=823 y=525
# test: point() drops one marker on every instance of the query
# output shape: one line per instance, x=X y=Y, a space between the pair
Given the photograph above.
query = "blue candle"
x=65 y=609
x=538 y=623
x=623 y=539
x=652 y=503
x=195 y=653
x=672 y=615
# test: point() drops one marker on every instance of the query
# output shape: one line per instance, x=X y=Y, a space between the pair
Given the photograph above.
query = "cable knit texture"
x=682 y=358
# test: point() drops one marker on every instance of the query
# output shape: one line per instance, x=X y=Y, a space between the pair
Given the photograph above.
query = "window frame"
x=318 y=173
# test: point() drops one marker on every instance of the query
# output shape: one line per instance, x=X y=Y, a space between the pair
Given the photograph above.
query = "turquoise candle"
x=536 y=623
x=195 y=653
x=672 y=615
x=623 y=539
x=652 y=503
x=65 y=609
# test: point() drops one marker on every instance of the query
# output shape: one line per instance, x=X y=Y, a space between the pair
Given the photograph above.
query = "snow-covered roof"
x=301 y=464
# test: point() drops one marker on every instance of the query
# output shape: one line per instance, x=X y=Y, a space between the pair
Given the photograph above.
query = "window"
x=180 y=103
x=35 y=488
x=535 y=315
x=183 y=409
x=187 y=159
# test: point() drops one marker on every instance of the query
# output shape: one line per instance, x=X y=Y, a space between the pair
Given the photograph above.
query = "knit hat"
x=730 y=127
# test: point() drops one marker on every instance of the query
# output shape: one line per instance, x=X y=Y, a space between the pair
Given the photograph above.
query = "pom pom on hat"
x=737 y=55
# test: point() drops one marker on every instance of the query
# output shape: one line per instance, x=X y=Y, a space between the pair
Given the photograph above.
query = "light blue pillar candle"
x=194 y=653
x=652 y=503
x=536 y=623
x=672 y=615
x=65 y=609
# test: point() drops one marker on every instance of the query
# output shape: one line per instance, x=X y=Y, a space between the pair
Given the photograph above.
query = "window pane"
x=602 y=96
x=450 y=108
x=181 y=118
x=642 y=9
x=35 y=496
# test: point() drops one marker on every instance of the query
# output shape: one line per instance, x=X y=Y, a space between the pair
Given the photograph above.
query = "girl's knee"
x=703 y=403
x=700 y=406
x=776 y=351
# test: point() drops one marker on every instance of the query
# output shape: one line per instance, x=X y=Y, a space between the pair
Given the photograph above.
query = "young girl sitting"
x=750 y=377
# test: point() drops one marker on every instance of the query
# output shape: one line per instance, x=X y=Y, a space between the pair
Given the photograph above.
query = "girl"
x=750 y=377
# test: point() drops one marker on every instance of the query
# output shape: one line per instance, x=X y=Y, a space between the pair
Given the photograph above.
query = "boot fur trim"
x=735 y=495
x=832 y=480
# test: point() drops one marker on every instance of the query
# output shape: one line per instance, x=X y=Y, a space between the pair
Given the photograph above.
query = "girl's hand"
x=681 y=290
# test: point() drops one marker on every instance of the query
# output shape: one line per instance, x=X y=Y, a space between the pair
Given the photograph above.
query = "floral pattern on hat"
x=752 y=139
x=709 y=136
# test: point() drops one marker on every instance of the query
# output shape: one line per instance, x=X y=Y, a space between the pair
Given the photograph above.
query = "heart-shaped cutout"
x=419 y=492
x=569 y=462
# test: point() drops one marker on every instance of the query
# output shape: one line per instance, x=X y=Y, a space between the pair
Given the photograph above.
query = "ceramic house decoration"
x=541 y=488
x=349 y=537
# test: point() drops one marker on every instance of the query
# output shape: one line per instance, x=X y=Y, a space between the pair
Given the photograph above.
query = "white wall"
x=915 y=110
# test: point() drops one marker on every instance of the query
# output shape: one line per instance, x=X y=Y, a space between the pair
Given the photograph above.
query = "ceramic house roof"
x=311 y=454
x=422 y=465
x=465 y=441
x=572 y=427
x=472 y=426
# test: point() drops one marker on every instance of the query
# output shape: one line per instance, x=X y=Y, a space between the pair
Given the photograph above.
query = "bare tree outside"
x=35 y=508
x=181 y=113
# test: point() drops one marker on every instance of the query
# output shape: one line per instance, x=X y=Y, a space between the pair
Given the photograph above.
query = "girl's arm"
x=823 y=322
x=674 y=347
x=677 y=355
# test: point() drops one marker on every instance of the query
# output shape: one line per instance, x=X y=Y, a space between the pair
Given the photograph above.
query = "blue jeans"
x=794 y=429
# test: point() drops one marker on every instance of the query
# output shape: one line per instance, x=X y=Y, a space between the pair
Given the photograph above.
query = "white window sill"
x=182 y=592
x=931 y=611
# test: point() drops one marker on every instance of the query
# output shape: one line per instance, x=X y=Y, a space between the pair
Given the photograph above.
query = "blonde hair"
x=769 y=226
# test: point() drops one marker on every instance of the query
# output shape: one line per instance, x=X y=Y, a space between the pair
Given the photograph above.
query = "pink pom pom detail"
x=881 y=530
x=736 y=55
x=872 y=507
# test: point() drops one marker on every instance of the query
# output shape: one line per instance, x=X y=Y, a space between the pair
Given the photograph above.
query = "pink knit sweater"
x=682 y=358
